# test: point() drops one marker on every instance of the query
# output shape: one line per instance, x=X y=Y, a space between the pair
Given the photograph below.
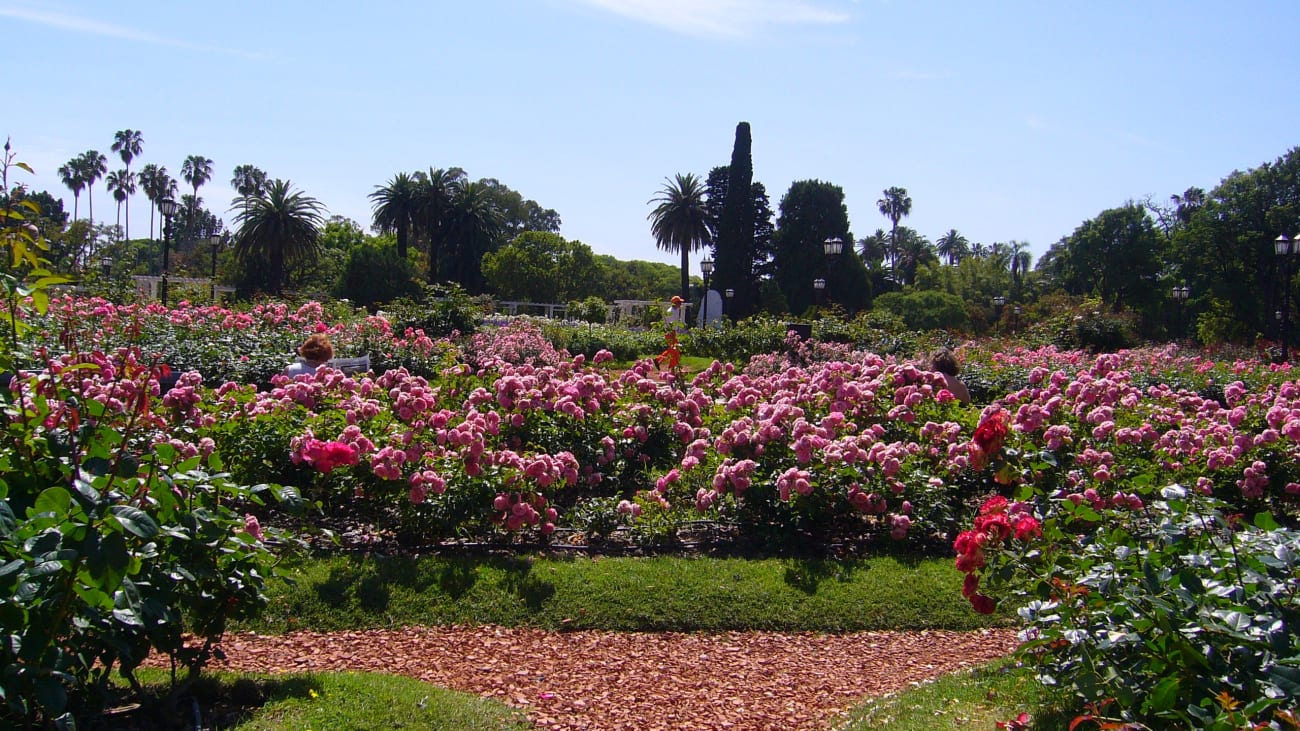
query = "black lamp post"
x=730 y=294
x=215 y=240
x=1181 y=293
x=1282 y=246
x=998 y=303
x=832 y=247
x=1015 y=321
x=819 y=286
x=167 y=207
x=706 y=268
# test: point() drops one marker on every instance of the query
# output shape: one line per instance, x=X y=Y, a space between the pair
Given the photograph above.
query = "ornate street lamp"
x=167 y=207
x=1282 y=246
x=706 y=268
x=998 y=303
x=833 y=246
x=1181 y=293
x=216 y=240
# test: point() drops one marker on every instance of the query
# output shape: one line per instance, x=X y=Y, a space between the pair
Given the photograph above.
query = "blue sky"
x=1004 y=120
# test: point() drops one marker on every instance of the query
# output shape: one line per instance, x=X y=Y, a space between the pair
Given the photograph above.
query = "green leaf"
x=54 y=500
x=135 y=521
x=51 y=694
x=1163 y=696
x=1265 y=521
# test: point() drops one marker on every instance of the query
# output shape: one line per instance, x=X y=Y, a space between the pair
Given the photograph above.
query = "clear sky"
x=1005 y=120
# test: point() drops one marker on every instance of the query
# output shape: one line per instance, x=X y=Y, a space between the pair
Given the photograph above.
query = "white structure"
x=711 y=308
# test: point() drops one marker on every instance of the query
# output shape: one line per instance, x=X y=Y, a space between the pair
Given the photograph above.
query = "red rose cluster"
x=998 y=521
x=988 y=438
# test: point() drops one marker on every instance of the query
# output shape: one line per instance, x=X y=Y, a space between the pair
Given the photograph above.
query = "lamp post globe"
x=706 y=268
x=167 y=207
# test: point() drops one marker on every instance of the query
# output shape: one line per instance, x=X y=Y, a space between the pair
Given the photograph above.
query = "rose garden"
x=1115 y=526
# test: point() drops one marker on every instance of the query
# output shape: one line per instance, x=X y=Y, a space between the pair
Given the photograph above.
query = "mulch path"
x=622 y=681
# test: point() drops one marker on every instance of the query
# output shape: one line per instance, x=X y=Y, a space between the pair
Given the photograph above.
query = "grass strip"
x=619 y=593
x=354 y=701
x=976 y=699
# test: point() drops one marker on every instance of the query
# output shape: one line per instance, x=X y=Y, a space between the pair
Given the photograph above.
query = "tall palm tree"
x=121 y=183
x=249 y=181
x=471 y=227
x=280 y=228
x=438 y=192
x=396 y=206
x=127 y=143
x=93 y=166
x=1019 y=261
x=979 y=251
x=895 y=205
x=148 y=180
x=680 y=221
x=196 y=170
x=952 y=246
x=70 y=174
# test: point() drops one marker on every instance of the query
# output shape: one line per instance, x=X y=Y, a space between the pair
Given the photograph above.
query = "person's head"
x=316 y=349
x=944 y=361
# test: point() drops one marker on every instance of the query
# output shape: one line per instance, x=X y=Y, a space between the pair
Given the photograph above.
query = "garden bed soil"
x=622 y=681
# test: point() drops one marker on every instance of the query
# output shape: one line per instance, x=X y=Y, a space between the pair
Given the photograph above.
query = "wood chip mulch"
x=620 y=681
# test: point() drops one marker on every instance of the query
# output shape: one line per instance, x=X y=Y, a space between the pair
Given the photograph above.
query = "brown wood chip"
x=622 y=681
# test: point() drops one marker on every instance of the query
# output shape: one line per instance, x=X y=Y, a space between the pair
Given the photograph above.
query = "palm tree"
x=196 y=170
x=127 y=143
x=148 y=180
x=70 y=174
x=396 y=206
x=281 y=228
x=952 y=246
x=249 y=181
x=438 y=192
x=1020 y=259
x=93 y=166
x=471 y=227
x=680 y=221
x=896 y=205
x=121 y=183
x=979 y=251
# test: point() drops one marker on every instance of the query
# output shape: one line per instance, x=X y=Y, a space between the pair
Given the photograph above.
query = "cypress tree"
x=734 y=259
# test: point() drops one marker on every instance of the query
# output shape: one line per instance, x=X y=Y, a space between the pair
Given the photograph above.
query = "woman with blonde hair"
x=315 y=351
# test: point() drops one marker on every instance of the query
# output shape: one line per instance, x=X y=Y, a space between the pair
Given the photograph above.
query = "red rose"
x=982 y=604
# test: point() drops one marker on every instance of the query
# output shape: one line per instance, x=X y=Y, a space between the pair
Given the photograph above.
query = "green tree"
x=471 y=230
x=196 y=170
x=679 y=221
x=149 y=180
x=734 y=246
x=812 y=211
x=914 y=251
x=895 y=205
x=376 y=274
x=121 y=183
x=541 y=267
x=249 y=181
x=71 y=175
x=519 y=214
x=93 y=165
x=636 y=279
x=439 y=190
x=952 y=246
x=1117 y=256
x=280 y=228
x=127 y=143
x=396 y=207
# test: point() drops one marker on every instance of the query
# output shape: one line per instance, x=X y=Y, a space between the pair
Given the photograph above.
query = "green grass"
x=977 y=699
x=628 y=594
x=338 y=701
